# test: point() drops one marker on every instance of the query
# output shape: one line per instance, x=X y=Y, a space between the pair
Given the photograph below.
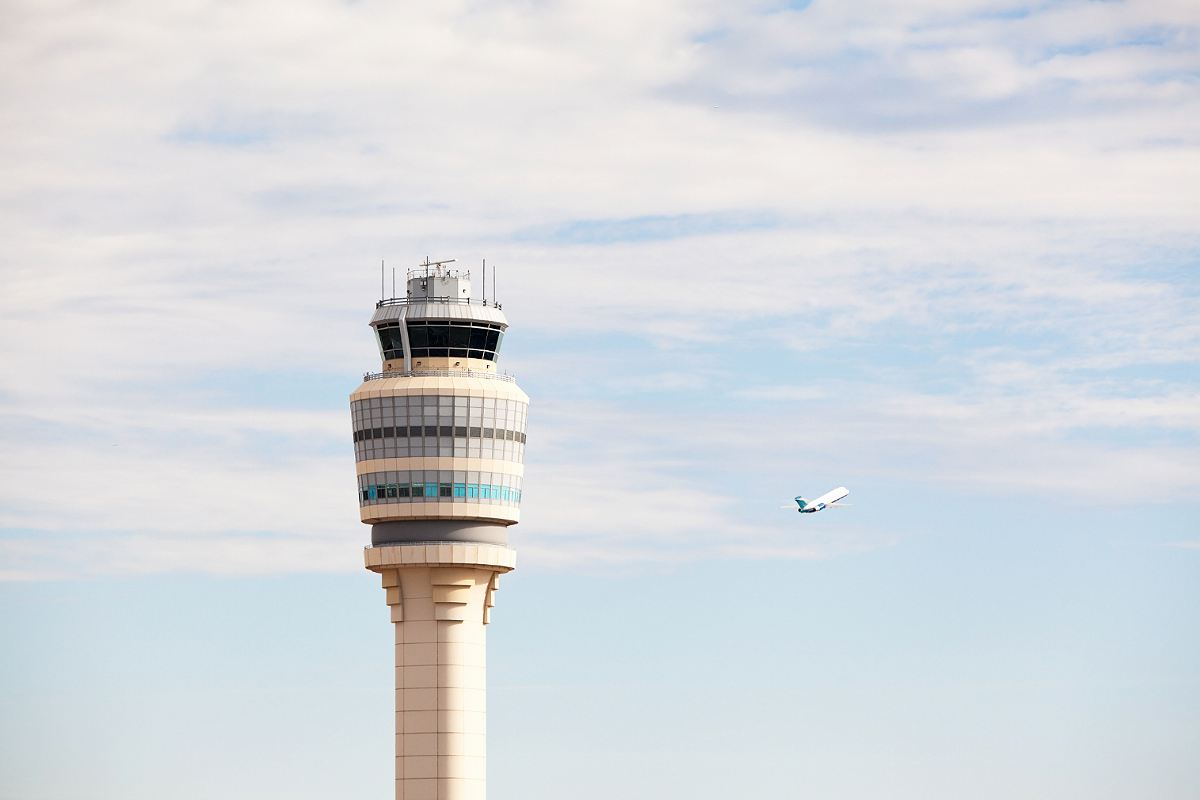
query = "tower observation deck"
x=439 y=444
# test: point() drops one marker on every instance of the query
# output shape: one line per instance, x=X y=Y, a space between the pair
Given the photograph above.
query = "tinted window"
x=418 y=336
x=391 y=342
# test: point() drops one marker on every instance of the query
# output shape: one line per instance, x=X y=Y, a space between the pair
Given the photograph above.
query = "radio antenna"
x=393 y=281
x=485 y=281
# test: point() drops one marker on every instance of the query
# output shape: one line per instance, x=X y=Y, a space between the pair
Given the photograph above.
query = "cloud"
x=937 y=227
x=929 y=66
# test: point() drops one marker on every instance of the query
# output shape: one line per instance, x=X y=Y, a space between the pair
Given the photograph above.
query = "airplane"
x=828 y=500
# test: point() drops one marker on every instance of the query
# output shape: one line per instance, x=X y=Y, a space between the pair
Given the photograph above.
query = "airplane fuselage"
x=822 y=502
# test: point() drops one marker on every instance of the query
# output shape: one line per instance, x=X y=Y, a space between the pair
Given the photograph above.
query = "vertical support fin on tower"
x=489 y=600
x=404 y=338
x=393 y=593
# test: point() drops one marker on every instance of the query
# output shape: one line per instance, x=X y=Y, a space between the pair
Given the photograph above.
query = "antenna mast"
x=436 y=264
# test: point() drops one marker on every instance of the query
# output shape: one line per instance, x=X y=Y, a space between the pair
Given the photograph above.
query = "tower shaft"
x=440 y=596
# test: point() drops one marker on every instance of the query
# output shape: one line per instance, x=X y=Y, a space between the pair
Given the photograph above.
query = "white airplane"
x=828 y=500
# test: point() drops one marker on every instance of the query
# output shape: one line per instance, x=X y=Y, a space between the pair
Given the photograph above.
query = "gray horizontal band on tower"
x=438 y=530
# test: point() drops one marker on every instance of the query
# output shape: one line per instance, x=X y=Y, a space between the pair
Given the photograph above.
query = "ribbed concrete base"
x=440 y=598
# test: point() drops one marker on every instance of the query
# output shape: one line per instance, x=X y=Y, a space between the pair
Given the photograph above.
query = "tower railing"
x=438 y=373
x=462 y=301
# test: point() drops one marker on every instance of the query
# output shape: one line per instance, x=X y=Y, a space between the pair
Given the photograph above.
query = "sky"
x=946 y=254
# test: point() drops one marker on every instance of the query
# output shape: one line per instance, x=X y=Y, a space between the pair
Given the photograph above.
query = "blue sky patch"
x=221 y=133
x=649 y=228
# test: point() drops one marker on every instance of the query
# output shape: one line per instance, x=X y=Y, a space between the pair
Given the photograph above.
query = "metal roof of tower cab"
x=449 y=308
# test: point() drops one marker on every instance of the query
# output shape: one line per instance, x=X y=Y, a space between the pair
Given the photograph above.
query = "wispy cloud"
x=936 y=66
x=943 y=243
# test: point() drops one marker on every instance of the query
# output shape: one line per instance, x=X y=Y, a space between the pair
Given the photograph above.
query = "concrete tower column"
x=439 y=438
x=440 y=596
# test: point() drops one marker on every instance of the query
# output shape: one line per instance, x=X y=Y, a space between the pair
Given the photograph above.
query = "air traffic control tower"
x=439 y=441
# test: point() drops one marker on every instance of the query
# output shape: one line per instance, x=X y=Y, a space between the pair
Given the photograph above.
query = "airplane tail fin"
x=802 y=502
